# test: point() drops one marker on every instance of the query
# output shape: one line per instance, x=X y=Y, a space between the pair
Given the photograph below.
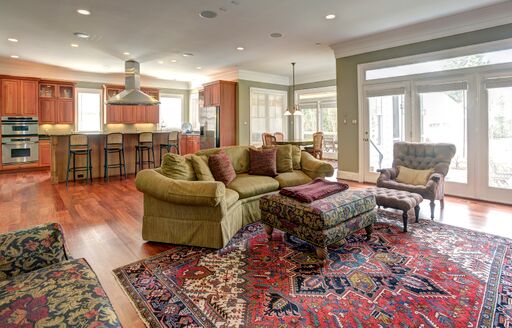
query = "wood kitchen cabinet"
x=56 y=102
x=45 y=153
x=19 y=97
x=222 y=94
x=130 y=114
x=189 y=144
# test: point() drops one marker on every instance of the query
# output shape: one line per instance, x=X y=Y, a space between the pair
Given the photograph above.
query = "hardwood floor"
x=102 y=222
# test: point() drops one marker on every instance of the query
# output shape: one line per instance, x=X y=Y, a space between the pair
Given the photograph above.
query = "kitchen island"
x=59 y=154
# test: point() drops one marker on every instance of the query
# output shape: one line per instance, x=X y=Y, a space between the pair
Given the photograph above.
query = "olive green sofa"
x=207 y=213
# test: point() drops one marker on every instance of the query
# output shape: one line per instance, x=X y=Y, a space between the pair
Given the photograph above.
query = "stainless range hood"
x=132 y=94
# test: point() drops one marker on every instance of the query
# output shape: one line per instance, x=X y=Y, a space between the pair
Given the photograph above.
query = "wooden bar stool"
x=145 y=144
x=79 y=146
x=114 y=143
x=173 y=141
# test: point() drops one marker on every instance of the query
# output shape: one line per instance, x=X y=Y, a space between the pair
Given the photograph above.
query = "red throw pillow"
x=263 y=161
x=221 y=168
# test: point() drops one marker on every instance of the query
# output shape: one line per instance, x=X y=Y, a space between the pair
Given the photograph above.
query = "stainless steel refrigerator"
x=209 y=119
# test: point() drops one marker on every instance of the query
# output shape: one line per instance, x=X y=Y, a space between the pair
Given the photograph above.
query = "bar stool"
x=145 y=144
x=79 y=146
x=173 y=140
x=114 y=143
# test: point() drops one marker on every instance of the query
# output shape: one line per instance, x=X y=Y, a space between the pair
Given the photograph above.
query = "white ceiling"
x=161 y=30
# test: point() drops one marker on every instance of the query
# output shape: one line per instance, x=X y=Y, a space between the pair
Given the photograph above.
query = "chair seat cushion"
x=66 y=294
x=292 y=179
x=321 y=214
x=252 y=185
x=231 y=197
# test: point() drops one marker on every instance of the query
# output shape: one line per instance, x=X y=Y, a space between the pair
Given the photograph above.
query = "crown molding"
x=263 y=77
x=316 y=77
x=17 y=67
x=468 y=21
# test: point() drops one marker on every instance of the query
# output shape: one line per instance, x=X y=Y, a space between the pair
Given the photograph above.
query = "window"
x=89 y=110
x=171 y=107
x=474 y=60
x=319 y=110
x=194 y=111
x=267 y=109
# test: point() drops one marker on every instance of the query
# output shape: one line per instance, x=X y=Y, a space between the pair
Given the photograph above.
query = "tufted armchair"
x=420 y=156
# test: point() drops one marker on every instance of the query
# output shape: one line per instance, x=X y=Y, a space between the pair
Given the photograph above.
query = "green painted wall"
x=243 y=106
x=346 y=77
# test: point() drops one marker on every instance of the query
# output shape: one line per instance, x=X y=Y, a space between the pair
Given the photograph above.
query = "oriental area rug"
x=435 y=275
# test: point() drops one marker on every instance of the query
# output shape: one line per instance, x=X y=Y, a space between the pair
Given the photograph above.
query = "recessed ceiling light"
x=187 y=54
x=208 y=14
x=74 y=45
x=12 y=39
x=276 y=35
x=160 y=61
x=126 y=53
x=199 y=67
x=81 y=35
x=240 y=48
x=330 y=16
x=173 y=60
x=15 y=56
x=83 y=12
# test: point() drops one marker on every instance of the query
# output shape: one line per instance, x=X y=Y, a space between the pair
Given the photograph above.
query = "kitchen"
x=38 y=115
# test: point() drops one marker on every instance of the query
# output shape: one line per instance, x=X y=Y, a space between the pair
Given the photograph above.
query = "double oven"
x=20 y=140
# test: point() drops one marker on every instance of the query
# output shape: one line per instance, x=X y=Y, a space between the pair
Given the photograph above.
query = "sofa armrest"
x=30 y=249
x=199 y=193
x=315 y=168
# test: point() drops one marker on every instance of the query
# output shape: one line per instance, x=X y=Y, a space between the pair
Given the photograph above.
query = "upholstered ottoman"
x=322 y=222
x=398 y=199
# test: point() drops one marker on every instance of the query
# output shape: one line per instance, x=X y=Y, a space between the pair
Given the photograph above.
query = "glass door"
x=386 y=121
x=496 y=182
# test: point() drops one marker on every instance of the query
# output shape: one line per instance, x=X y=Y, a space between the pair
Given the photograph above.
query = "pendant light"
x=293 y=110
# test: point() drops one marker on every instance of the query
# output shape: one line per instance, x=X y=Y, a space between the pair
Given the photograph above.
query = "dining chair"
x=263 y=138
x=270 y=140
x=279 y=136
x=318 y=143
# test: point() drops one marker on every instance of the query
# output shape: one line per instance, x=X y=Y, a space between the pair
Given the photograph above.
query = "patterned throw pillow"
x=178 y=167
x=221 y=168
x=263 y=161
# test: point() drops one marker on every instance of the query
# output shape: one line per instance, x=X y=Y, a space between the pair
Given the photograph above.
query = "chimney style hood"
x=132 y=94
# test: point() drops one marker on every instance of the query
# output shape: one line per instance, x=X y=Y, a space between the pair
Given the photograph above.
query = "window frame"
x=171 y=95
x=77 y=111
x=267 y=93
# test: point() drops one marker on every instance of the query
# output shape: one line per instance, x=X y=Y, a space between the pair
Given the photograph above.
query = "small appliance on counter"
x=186 y=128
x=20 y=140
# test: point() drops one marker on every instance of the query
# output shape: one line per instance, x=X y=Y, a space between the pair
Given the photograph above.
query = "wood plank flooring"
x=102 y=222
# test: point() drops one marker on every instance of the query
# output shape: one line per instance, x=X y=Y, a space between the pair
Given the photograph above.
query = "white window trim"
x=173 y=95
x=268 y=92
x=89 y=90
x=298 y=128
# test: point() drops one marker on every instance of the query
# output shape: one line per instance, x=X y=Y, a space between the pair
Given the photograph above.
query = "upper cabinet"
x=56 y=102
x=116 y=114
x=19 y=97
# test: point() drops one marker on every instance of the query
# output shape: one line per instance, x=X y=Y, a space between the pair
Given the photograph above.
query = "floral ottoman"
x=322 y=222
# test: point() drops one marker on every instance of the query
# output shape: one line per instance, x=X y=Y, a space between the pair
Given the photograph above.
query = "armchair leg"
x=432 y=208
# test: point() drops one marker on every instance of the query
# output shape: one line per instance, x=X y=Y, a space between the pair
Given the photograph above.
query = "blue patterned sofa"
x=40 y=286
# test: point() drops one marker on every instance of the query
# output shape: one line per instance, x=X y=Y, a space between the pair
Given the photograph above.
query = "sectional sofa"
x=208 y=213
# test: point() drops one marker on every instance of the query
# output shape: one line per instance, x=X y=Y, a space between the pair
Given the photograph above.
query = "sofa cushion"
x=296 y=157
x=413 y=177
x=263 y=161
x=67 y=294
x=238 y=155
x=291 y=179
x=221 y=168
x=252 y=185
x=231 y=197
x=178 y=167
x=201 y=168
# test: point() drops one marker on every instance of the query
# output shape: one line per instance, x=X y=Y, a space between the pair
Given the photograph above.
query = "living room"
x=252 y=163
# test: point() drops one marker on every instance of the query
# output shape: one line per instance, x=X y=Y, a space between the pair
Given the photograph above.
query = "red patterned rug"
x=433 y=276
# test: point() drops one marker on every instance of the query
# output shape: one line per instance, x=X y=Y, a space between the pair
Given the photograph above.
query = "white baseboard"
x=346 y=175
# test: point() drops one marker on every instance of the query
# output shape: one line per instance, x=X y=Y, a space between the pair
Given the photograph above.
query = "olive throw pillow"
x=201 y=168
x=263 y=161
x=412 y=176
x=221 y=168
x=296 y=155
x=178 y=167
x=284 y=161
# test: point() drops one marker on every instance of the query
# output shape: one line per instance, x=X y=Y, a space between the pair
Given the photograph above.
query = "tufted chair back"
x=422 y=156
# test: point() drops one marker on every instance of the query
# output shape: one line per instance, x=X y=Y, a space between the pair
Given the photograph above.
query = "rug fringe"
x=127 y=293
